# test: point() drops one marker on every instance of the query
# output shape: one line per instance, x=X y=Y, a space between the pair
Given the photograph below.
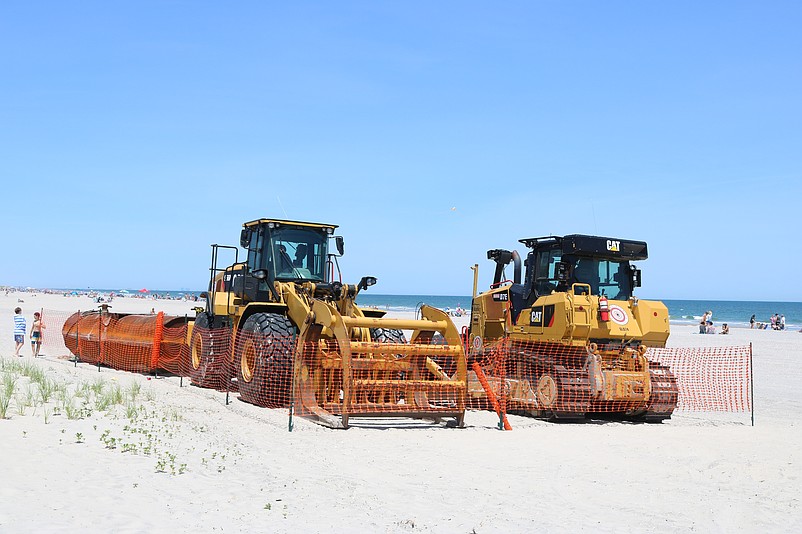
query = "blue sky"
x=135 y=134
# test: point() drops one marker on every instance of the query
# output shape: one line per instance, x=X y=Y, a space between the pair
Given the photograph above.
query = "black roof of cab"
x=611 y=248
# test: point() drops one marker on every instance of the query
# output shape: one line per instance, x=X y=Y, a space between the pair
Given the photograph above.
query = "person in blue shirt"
x=19 y=330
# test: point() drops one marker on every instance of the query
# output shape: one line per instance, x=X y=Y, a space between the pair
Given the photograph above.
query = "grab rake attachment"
x=356 y=366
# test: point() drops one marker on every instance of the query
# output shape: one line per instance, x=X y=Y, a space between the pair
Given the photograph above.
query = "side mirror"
x=245 y=238
x=562 y=270
x=366 y=282
x=635 y=274
x=204 y=295
x=339 y=242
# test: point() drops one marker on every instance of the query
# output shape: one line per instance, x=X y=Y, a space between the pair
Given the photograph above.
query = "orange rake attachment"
x=355 y=366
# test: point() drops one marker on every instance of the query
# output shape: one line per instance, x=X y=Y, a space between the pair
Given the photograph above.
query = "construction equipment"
x=572 y=335
x=294 y=335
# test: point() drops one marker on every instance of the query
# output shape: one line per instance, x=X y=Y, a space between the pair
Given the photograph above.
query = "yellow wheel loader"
x=571 y=338
x=297 y=337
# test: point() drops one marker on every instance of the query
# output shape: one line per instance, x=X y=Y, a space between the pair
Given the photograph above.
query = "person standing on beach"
x=703 y=323
x=36 y=334
x=19 y=330
x=752 y=321
x=782 y=322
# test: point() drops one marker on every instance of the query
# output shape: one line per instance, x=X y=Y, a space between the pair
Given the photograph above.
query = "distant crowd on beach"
x=98 y=296
x=777 y=322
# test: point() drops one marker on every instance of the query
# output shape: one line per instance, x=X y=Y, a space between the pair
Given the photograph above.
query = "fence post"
x=101 y=348
x=158 y=334
x=180 y=370
x=298 y=346
x=752 y=383
x=231 y=354
x=503 y=423
x=77 y=339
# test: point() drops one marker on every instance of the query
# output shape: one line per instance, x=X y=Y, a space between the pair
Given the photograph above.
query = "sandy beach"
x=178 y=458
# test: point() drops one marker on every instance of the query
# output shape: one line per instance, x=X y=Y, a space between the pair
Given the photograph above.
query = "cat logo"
x=537 y=316
x=613 y=246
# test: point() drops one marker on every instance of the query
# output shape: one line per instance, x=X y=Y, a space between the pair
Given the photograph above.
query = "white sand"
x=245 y=472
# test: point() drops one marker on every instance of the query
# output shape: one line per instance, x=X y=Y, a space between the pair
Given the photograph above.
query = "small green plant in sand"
x=7 y=393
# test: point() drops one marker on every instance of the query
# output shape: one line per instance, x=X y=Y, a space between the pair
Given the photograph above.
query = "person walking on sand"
x=36 y=334
x=19 y=330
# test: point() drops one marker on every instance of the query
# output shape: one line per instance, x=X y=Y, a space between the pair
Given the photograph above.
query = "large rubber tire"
x=264 y=357
x=387 y=335
x=208 y=365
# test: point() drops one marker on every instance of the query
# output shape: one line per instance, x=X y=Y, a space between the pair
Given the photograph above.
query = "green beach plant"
x=134 y=390
x=9 y=384
x=46 y=388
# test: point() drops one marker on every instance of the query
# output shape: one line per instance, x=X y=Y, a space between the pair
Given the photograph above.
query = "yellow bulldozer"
x=570 y=340
x=285 y=329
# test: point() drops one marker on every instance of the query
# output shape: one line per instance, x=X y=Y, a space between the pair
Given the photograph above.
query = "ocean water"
x=733 y=312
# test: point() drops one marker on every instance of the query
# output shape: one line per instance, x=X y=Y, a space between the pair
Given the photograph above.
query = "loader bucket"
x=339 y=372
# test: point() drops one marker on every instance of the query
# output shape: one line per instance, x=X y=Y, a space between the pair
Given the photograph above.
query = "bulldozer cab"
x=579 y=262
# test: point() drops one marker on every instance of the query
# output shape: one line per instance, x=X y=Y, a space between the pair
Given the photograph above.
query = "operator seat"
x=586 y=272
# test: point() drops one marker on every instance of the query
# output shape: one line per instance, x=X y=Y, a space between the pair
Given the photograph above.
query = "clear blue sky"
x=135 y=134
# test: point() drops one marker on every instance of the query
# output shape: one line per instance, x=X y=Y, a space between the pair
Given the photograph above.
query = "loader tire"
x=264 y=353
x=208 y=365
x=387 y=335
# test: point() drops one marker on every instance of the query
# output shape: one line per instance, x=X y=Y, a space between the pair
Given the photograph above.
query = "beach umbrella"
x=123 y=291
x=143 y=290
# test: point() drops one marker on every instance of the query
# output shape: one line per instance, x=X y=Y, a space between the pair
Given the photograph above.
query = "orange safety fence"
x=710 y=379
x=418 y=380
x=139 y=343
x=557 y=381
x=392 y=377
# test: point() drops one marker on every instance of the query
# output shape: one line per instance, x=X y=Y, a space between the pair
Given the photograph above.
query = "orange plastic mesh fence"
x=52 y=339
x=208 y=362
x=398 y=378
x=555 y=380
x=139 y=343
x=366 y=379
x=714 y=379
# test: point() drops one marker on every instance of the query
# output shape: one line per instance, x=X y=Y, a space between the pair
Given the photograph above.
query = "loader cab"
x=287 y=250
x=555 y=264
